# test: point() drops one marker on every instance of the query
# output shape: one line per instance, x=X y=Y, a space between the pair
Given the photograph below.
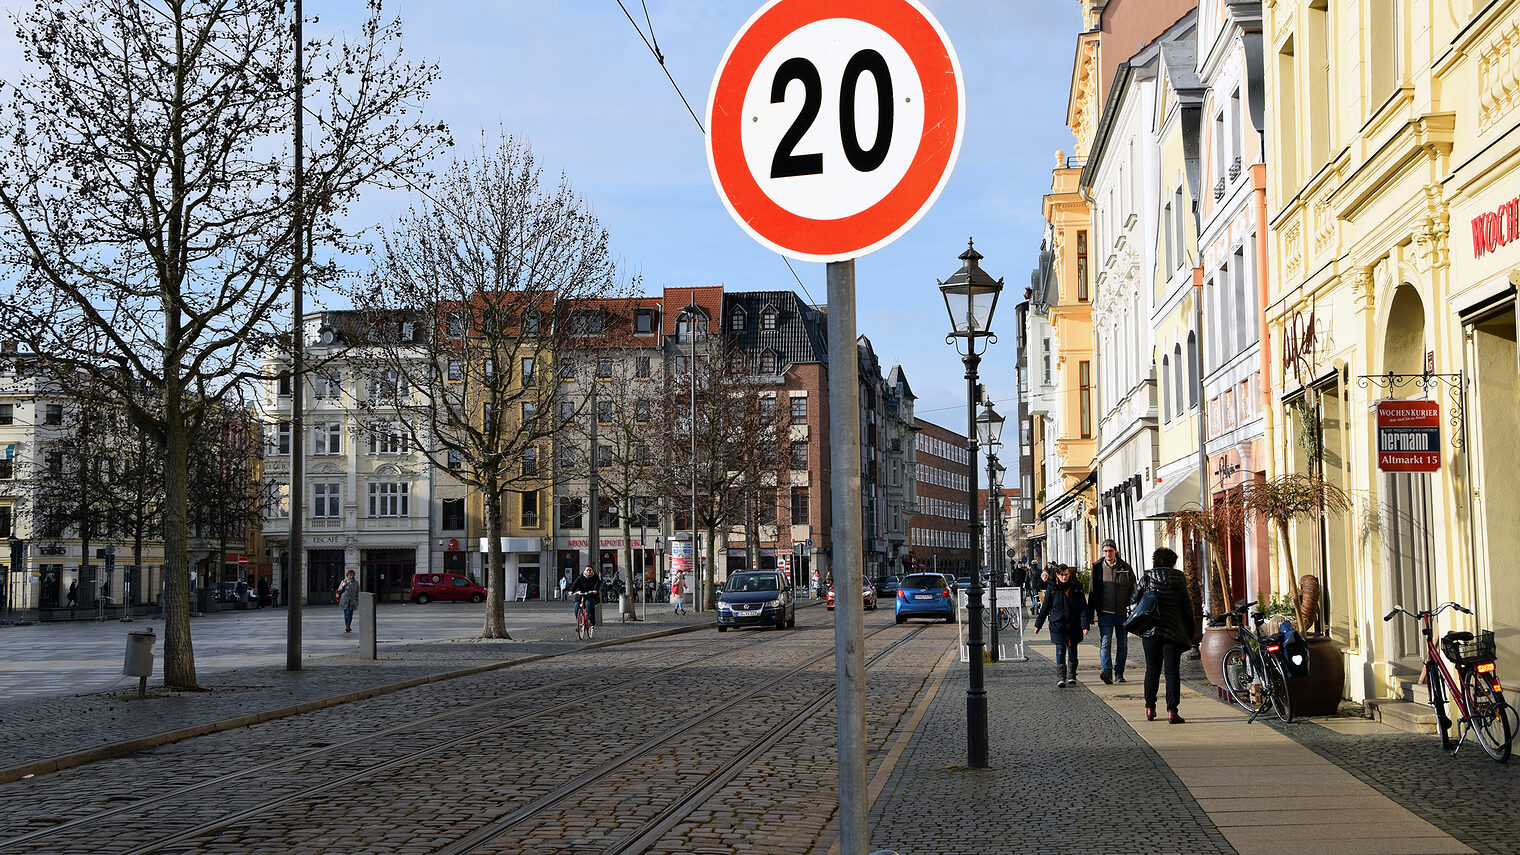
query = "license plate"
x=923 y=596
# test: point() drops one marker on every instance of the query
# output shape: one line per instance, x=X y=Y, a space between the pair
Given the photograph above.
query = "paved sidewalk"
x=69 y=730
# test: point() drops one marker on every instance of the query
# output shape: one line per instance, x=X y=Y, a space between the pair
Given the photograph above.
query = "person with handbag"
x=1113 y=584
x=678 y=595
x=1066 y=608
x=1165 y=627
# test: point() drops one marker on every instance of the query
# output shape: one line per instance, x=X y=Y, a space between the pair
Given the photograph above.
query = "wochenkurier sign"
x=1409 y=436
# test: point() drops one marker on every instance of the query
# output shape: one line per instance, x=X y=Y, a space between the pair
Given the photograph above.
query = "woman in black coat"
x=1172 y=634
x=1066 y=607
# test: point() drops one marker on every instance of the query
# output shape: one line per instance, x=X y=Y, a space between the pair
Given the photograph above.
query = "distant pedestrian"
x=348 y=599
x=1113 y=584
x=678 y=595
x=73 y=598
x=1173 y=633
x=1066 y=608
x=564 y=585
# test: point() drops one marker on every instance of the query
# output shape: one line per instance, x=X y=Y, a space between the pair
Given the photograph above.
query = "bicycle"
x=1254 y=674
x=584 y=627
x=1479 y=698
x=1005 y=617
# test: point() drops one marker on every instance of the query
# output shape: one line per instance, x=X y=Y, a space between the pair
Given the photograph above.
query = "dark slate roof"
x=898 y=381
x=799 y=336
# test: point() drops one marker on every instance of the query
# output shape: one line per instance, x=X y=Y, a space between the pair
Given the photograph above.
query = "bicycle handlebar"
x=1428 y=612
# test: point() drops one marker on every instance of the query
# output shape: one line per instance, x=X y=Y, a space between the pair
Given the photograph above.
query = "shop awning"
x=1174 y=493
x=1054 y=507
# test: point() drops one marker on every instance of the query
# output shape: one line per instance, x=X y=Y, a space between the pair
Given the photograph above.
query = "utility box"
x=366 y=618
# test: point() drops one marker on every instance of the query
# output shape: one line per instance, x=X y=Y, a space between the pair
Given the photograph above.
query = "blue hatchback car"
x=925 y=595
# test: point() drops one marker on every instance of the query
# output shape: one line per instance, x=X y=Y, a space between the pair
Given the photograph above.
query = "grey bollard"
x=367 y=625
x=139 y=661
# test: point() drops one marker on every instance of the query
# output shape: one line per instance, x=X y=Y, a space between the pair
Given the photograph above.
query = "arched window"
x=1177 y=379
x=1166 y=403
x=1192 y=370
x=768 y=362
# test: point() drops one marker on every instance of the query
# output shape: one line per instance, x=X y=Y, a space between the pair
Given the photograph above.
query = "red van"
x=427 y=587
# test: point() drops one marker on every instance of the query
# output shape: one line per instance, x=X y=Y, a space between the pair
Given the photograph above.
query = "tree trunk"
x=709 y=575
x=179 y=653
x=627 y=607
x=496 y=575
x=1287 y=552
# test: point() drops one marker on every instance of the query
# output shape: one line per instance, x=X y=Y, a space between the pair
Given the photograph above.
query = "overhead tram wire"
x=653 y=45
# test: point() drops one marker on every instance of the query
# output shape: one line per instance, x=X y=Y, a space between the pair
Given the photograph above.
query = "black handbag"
x=1145 y=616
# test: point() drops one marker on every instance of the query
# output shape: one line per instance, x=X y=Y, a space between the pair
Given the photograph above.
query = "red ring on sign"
x=846 y=235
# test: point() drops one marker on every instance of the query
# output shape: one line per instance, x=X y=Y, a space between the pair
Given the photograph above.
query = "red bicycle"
x=584 y=628
x=1475 y=690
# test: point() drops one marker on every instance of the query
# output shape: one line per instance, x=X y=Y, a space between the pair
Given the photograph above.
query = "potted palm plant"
x=1283 y=501
x=1216 y=525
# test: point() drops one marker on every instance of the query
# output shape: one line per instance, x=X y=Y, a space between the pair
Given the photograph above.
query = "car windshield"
x=924 y=582
x=747 y=584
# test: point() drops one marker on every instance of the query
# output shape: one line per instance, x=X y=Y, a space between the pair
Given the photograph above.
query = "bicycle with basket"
x=1475 y=690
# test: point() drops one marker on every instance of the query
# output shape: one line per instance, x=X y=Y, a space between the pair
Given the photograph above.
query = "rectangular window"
x=7 y=468
x=455 y=371
x=566 y=412
x=282 y=386
x=604 y=367
x=453 y=514
x=327 y=438
x=528 y=376
x=7 y=413
x=767 y=410
x=571 y=512
x=643 y=322
x=603 y=456
x=53 y=461
x=282 y=439
x=54 y=414
x=1082 y=266
x=1084 y=390
x=566 y=368
x=799 y=411
x=1045 y=362
x=326 y=385
x=455 y=461
x=641 y=367
x=799 y=455
x=765 y=512
x=529 y=500
x=389 y=438
x=277 y=501
x=529 y=462
x=680 y=365
x=326 y=501
x=799 y=506
x=389 y=499
x=604 y=412
x=529 y=411
x=641 y=411
x=608 y=518
x=489 y=368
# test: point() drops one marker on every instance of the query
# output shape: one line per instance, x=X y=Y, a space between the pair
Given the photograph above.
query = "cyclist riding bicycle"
x=589 y=586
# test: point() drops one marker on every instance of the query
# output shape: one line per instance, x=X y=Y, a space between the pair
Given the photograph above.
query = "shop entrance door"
x=1408 y=555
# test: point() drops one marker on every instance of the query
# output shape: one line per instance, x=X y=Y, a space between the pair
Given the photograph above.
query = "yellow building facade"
x=1391 y=137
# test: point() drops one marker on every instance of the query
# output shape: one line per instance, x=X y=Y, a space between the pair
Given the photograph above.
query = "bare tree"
x=147 y=205
x=731 y=449
x=495 y=271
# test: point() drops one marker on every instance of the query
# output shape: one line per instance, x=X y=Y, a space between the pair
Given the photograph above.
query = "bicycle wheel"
x=1276 y=686
x=1490 y=720
x=1237 y=678
x=1005 y=618
x=1437 y=691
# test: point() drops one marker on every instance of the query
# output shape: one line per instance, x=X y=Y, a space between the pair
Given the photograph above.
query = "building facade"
x=940 y=533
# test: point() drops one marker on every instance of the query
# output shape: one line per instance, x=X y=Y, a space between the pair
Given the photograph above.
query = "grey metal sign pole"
x=849 y=609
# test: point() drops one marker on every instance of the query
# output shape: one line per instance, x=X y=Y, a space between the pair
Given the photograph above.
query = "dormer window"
x=736 y=320
x=643 y=322
x=530 y=322
x=768 y=319
x=768 y=362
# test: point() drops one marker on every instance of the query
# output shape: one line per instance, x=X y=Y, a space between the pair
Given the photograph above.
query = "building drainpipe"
x=1203 y=451
x=1264 y=334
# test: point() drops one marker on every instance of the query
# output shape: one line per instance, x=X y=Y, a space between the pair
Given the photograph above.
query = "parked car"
x=888 y=586
x=427 y=587
x=867 y=593
x=925 y=595
x=757 y=598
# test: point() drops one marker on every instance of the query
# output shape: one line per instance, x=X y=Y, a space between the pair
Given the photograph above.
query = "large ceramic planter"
x=1320 y=692
x=1217 y=640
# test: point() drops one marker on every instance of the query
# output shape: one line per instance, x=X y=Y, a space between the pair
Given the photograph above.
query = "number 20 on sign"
x=834 y=124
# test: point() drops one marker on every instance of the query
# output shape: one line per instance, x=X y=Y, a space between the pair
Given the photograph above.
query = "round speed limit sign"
x=833 y=125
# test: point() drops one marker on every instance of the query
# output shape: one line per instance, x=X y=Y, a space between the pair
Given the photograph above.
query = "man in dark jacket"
x=1113 y=583
x=1067 y=610
x=1172 y=634
x=590 y=585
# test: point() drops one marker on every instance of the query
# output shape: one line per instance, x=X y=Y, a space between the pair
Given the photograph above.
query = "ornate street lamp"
x=971 y=297
x=989 y=431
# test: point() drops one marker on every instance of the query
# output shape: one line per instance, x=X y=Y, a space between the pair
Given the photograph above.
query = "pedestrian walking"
x=564 y=585
x=73 y=597
x=678 y=595
x=1113 y=584
x=348 y=599
x=1172 y=634
x=1066 y=608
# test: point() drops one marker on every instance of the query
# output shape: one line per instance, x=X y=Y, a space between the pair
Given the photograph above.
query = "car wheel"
x=902 y=618
x=950 y=618
x=423 y=599
x=722 y=628
x=477 y=598
x=791 y=622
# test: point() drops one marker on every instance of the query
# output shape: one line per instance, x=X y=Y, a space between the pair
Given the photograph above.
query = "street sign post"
x=831 y=129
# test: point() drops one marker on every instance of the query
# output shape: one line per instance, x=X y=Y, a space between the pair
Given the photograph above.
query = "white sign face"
x=833 y=127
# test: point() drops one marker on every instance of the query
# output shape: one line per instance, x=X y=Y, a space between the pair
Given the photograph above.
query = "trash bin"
x=139 y=661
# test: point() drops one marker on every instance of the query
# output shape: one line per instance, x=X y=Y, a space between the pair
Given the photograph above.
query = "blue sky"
x=574 y=79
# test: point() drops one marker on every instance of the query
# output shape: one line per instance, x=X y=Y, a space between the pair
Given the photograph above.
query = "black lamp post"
x=971 y=297
x=989 y=430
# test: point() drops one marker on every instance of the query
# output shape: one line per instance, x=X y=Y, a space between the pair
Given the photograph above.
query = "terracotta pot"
x=1216 y=640
x=1320 y=693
